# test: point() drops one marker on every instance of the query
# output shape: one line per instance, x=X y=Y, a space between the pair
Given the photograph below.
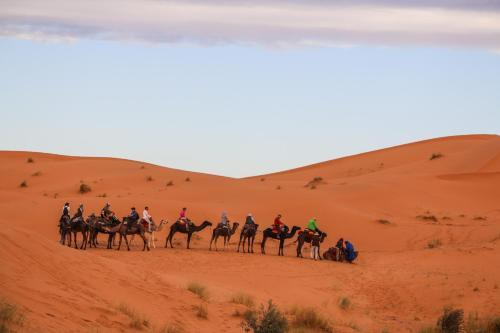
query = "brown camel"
x=123 y=230
x=151 y=231
x=224 y=232
x=248 y=233
x=181 y=227
x=98 y=224
x=75 y=226
x=306 y=237
x=268 y=233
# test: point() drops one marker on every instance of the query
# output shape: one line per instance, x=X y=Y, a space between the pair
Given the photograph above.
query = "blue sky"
x=237 y=108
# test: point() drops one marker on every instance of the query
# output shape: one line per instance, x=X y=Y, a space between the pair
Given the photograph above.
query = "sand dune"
x=398 y=283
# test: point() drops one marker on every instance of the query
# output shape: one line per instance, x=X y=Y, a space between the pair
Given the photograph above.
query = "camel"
x=100 y=225
x=123 y=230
x=181 y=227
x=152 y=230
x=334 y=254
x=306 y=237
x=75 y=226
x=268 y=233
x=248 y=232
x=224 y=232
x=64 y=229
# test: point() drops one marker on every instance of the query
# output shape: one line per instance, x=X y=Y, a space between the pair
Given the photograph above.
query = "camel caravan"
x=107 y=223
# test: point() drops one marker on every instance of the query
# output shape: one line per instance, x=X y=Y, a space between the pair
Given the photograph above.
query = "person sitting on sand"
x=350 y=253
x=147 y=217
x=132 y=218
x=278 y=225
x=340 y=248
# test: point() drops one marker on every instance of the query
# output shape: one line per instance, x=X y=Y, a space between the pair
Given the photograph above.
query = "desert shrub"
x=30 y=160
x=434 y=243
x=171 y=328
x=262 y=179
x=267 y=320
x=84 y=188
x=23 y=184
x=244 y=299
x=429 y=329
x=137 y=321
x=102 y=195
x=435 y=156
x=37 y=174
x=201 y=311
x=149 y=178
x=9 y=316
x=480 y=218
x=474 y=324
x=143 y=167
x=312 y=184
x=188 y=179
x=344 y=303
x=427 y=217
x=278 y=187
x=452 y=321
x=309 y=318
x=382 y=221
x=170 y=183
x=198 y=289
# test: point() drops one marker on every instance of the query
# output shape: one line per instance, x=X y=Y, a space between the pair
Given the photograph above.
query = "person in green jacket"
x=313 y=226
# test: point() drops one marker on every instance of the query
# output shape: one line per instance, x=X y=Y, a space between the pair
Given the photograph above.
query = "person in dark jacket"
x=340 y=249
x=350 y=253
x=105 y=212
x=132 y=218
x=65 y=212
x=249 y=222
x=79 y=213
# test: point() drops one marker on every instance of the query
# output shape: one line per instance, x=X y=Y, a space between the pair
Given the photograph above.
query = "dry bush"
x=198 y=289
x=188 y=179
x=278 y=187
x=244 y=299
x=434 y=243
x=474 y=324
x=262 y=179
x=480 y=218
x=201 y=311
x=170 y=183
x=344 y=303
x=427 y=217
x=102 y=195
x=452 y=321
x=435 y=156
x=137 y=321
x=312 y=184
x=143 y=167
x=149 y=179
x=37 y=174
x=171 y=328
x=84 y=188
x=382 y=221
x=309 y=319
x=30 y=160
x=10 y=317
x=267 y=320
x=23 y=184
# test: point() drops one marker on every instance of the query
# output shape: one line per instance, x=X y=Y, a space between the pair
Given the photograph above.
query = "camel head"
x=322 y=237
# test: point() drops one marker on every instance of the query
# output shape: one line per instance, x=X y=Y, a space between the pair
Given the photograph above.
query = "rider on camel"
x=278 y=225
x=65 y=212
x=147 y=217
x=312 y=226
x=78 y=214
x=132 y=218
x=183 y=218
x=224 y=221
x=249 y=222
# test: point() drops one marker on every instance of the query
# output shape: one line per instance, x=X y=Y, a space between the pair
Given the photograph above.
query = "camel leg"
x=263 y=245
x=74 y=236
x=126 y=240
x=211 y=240
x=119 y=243
x=239 y=243
x=280 y=248
x=253 y=238
x=299 y=248
x=146 y=242
x=189 y=240
x=153 y=239
x=132 y=239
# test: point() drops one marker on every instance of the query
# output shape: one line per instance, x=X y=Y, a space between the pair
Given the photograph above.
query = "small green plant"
x=170 y=183
x=268 y=319
x=310 y=319
x=201 y=311
x=84 y=188
x=344 y=303
x=198 y=289
x=37 y=174
x=435 y=156
x=30 y=160
x=434 y=243
x=244 y=299
x=23 y=184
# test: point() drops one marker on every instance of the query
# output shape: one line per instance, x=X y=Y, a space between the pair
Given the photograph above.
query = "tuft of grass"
x=84 y=188
x=201 y=311
x=262 y=179
x=244 y=299
x=480 y=218
x=102 y=195
x=149 y=179
x=310 y=319
x=36 y=174
x=170 y=183
x=137 y=321
x=30 y=160
x=382 y=221
x=344 y=303
x=278 y=187
x=435 y=156
x=188 y=179
x=267 y=320
x=427 y=217
x=476 y=289
x=23 y=184
x=171 y=328
x=430 y=329
x=474 y=324
x=198 y=289
x=143 y=167
x=10 y=316
x=434 y=243
x=312 y=184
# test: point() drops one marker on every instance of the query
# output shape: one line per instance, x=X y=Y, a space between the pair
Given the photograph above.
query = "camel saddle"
x=144 y=223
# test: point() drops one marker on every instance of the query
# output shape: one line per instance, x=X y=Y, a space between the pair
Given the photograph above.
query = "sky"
x=241 y=88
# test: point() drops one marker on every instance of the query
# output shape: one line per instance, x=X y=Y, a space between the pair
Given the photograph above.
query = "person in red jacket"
x=278 y=225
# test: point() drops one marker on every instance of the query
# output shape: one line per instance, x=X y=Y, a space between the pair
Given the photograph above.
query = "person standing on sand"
x=315 y=246
x=147 y=217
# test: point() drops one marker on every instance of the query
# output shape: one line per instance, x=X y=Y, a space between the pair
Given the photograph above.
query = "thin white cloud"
x=272 y=23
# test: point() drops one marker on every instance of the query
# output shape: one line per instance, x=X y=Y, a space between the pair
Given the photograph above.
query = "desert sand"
x=398 y=283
